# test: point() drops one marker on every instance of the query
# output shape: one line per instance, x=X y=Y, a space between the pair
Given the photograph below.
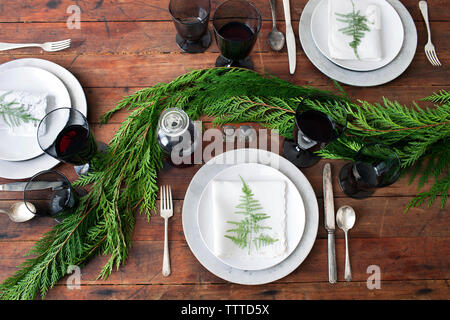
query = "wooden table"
x=126 y=45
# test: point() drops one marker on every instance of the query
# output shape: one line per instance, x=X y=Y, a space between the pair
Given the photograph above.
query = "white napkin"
x=370 y=48
x=35 y=104
x=272 y=198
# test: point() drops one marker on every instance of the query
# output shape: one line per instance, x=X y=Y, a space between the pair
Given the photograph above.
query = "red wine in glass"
x=314 y=130
x=236 y=27
x=75 y=144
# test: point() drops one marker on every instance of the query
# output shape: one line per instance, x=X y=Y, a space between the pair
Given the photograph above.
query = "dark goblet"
x=314 y=129
x=375 y=166
x=236 y=26
x=64 y=134
x=191 y=19
x=49 y=193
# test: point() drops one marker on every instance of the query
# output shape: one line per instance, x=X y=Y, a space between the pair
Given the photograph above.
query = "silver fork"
x=47 y=46
x=166 y=213
x=430 y=52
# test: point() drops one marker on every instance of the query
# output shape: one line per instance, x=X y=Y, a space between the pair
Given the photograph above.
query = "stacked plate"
x=21 y=157
x=399 y=43
x=302 y=215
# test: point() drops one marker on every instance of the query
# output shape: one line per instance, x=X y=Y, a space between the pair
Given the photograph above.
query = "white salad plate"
x=357 y=78
x=392 y=34
x=192 y=231
x=34 y=80
x=28 y=168
x=294 y=222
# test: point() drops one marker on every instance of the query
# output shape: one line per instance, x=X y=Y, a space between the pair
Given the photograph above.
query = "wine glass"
x=191 y=18
x=49 y=193
x=375 y=166
x=65 y=135
x=236 y=26
x=314 y=129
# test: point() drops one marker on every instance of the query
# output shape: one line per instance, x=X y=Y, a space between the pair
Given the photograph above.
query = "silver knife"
x=290 y=38
x=329 y=221
x=34 y=185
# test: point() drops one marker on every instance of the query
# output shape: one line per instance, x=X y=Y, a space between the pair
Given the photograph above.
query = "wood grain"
x=155 y=10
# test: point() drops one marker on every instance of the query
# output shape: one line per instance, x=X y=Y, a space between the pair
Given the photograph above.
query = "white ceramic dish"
x=34 y=80
x=357 y=78
x=192 y=231
x=392 y=36
x=26 y=169
x=295 y=213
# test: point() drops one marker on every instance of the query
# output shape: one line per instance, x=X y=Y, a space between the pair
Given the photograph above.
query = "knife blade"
x=290 y=38
x=33 y=185
x=329 y=222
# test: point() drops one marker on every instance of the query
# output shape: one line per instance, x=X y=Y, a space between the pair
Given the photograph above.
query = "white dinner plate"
x=192 y=231
x=26 y=169
x=34 y=80
x=357 y=78
x=392 y=35
x=295 y=213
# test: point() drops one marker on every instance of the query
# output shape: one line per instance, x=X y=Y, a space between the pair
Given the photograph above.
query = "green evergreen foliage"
x=249 y=230
x=12 y=114
x=124 y=179
x=356 y=27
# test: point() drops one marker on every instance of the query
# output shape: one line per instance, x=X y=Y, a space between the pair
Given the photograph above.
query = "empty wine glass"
x=191 y=18
x=49 y=193
x=375 y=166
x=64 y=134
x=314 y=129
x=236 y=27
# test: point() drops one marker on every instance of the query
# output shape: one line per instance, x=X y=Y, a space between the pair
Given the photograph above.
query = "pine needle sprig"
x=14 y=114
x=356 y=27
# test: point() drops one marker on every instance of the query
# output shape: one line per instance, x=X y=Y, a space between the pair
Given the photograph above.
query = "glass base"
x=351 y=186
x=83 y=169
x=194 y=46
x=244 y=63
x=299 y=157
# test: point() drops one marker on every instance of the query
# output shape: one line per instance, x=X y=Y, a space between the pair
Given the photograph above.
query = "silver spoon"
x=345 y=218
x=275 y=37
x=19 y=212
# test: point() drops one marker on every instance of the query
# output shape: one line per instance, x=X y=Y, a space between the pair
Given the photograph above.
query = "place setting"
x=360 y=43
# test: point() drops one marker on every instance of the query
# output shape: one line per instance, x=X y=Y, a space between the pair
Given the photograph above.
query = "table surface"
x=126 y=45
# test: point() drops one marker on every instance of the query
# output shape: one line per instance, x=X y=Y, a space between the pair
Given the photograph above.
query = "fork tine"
x=161 y=198
x=429 y=57
x=436 y=58
x=170 y=198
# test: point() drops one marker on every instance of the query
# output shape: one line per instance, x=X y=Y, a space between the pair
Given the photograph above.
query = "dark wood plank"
x=146 y=70
x=398 y=259
x=376 y=218
x=117 y=10
x=149 y=37
x=414 y=289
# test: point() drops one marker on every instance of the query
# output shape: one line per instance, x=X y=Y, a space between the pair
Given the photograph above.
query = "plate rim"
x=303 y=214
x=79 y=102
x=215 y=266
x=342 y=64
x=65 y=92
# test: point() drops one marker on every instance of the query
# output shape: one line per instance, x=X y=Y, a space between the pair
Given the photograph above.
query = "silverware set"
x=345 y=218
